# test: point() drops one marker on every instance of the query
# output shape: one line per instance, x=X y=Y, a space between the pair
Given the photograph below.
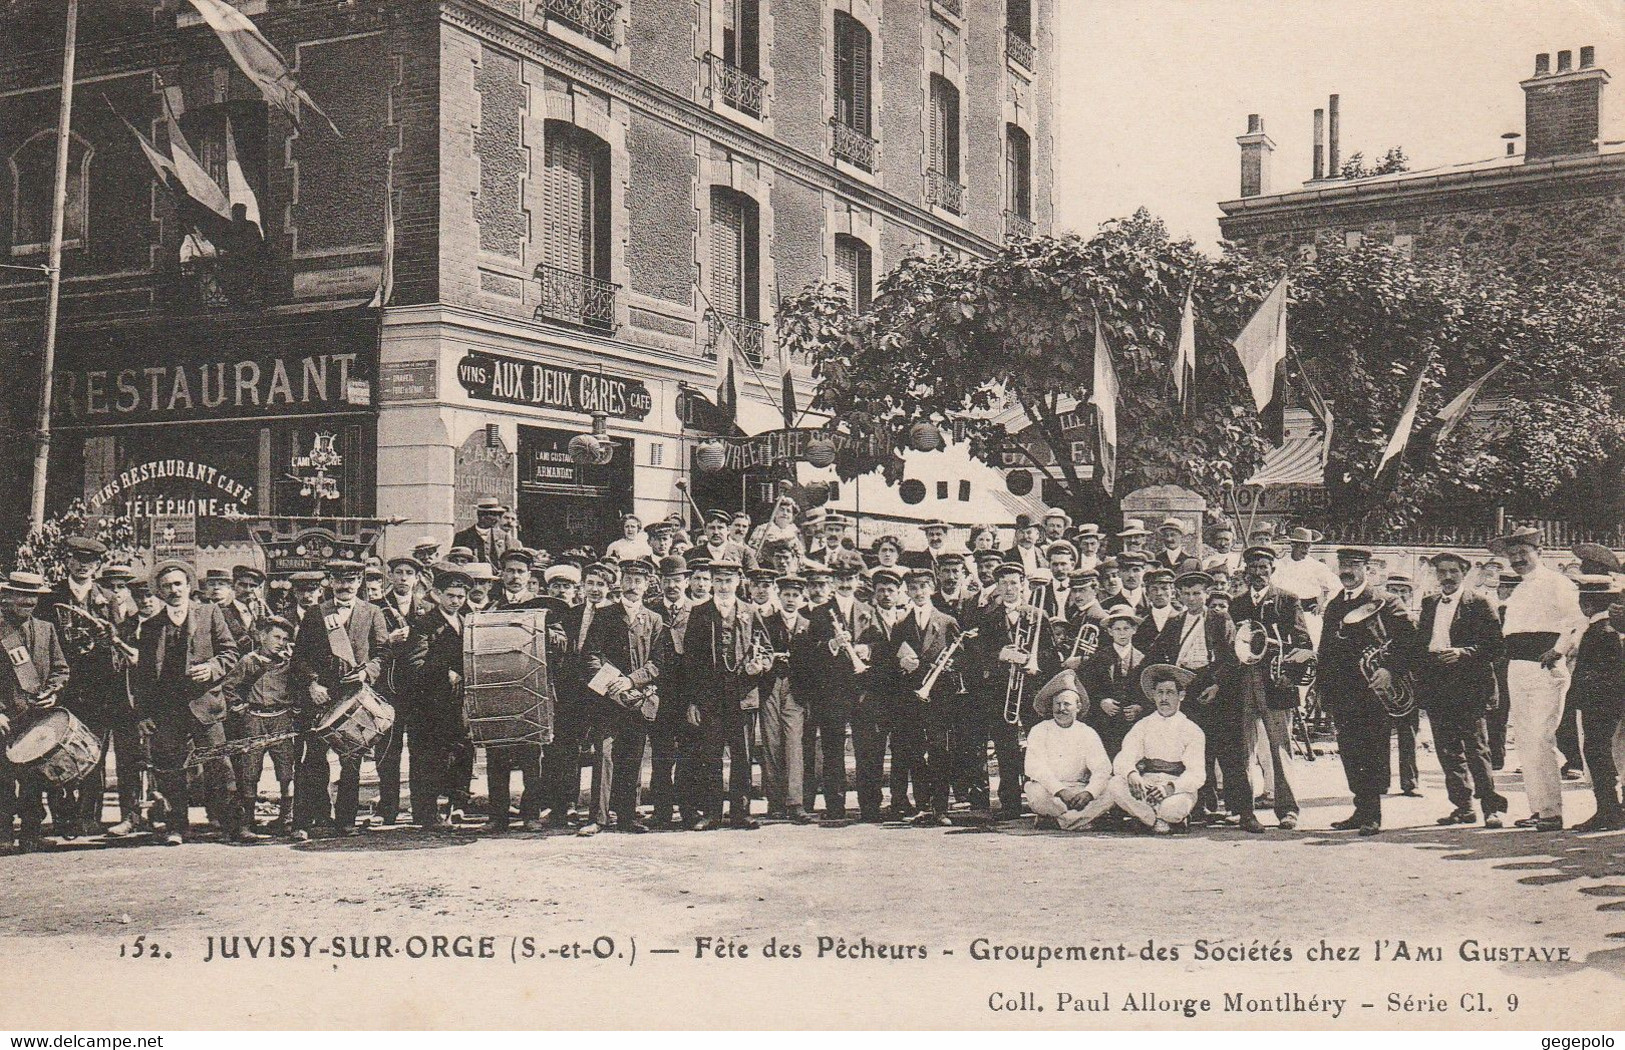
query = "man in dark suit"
x=1598 y=692
x=1364 y=726
x=838 y=630
x=719 y=547
x=1455 y=646
x=186 y=652
x=486 y=538
x=630 y=642
x=429 y=704
x=926 y=725
x=36 y=671
x=873 y=727
x=1027 y=552
x=719 y=673
x=783 y=710
x=580 y=716
x=1265 y=698
x=1112 y=678
x=340 y=648
x=1005 y=628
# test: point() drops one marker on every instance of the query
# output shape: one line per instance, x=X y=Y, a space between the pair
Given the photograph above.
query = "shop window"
x=735 y=279
x=33 y=183
x=854 y=270
x=575 y=266
x=354 y=484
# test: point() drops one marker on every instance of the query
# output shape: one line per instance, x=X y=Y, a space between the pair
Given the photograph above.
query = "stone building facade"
x=589 y=197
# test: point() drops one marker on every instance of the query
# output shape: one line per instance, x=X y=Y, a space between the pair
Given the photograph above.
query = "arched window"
x=854 y=270
x=33 y=185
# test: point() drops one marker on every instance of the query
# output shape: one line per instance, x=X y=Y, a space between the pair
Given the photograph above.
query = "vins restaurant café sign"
x=516 y=381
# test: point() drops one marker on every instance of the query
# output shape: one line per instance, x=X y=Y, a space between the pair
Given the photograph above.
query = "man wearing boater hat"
x=339 y=649
x=1163 y=762
x=1542 y=627
x=1364 y=724
x=36 y=671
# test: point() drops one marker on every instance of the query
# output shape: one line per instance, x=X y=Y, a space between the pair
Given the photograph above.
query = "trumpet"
x=941 y=664
x=1015 y=687
x=859 y=665
x=123 y=650
x=762 y=654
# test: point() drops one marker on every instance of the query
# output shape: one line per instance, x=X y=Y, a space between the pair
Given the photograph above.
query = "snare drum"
x=507 y=694
x=357 y=723
x=57 y=747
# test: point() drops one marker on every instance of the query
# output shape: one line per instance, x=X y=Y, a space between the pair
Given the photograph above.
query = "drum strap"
x=21 y=663
x=338 y=638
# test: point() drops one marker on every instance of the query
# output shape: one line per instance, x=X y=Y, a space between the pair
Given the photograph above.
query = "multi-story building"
x=589 y=197
x=1559 y=202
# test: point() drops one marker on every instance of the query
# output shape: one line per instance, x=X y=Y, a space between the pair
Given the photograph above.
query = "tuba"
x=1398 y=698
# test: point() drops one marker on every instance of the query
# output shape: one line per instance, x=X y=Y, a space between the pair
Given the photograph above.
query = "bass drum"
x=507 y=693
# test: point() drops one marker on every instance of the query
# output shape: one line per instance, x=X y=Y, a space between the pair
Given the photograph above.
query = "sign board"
x=481 y=472
x=518 y=381
x=214 y=493
x=306 y=544
x=174 y=536
x=779 y=446
x=408 y=380
x=545 y=467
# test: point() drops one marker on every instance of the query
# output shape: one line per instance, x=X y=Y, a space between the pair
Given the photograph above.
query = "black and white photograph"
x=789 y=515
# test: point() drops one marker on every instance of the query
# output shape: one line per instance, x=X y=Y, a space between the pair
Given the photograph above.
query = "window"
x=575 y=266
x=1018 y=173
x=964 y=491
x=1018 y=31
x=741 y=47
x=942 y=176
x=942 y=490
x=33 y=182
x=852 y=85
x=1353 y=239
x=854 y=270
x=735 y=278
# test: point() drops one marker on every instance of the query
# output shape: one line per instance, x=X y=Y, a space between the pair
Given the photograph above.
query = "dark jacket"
x=96 y=684
x=1338 y=676
x=208 y=641
x=1282 y=616
x=313 y=657
x=940 y=632
x=1105 y=679
x=832 y=679
x=637 y=646
x=433 y=655
x=1223 y=669
x=1599 y=670
x=44 y=649
x=1468 y=685
x=788 y=638
x=714 y=678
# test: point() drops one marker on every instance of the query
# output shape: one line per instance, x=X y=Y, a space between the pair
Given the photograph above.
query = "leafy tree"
x=1392 y=162
x=42 y=552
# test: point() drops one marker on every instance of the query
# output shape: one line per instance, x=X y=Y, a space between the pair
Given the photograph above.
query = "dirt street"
x=75 y=909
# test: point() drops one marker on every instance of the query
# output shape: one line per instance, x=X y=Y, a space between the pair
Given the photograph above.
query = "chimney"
x=1320 y=144
x=1256 y=148
x=1562 y=109
x=1334 y=155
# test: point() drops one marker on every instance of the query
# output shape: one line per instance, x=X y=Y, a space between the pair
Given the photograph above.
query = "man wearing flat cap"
x=486 y=539
x=719 y=547
x=1011 y=647
x=627 y=655
x=1171 y=534
x=1112 y=677
x=1364 y=725
x=1163 y=763
x=430 y=704
x=925 y=726
x=840 y=634
x=1454 y=650
x=29 y=682
x=1066 y=765
x=339 y=649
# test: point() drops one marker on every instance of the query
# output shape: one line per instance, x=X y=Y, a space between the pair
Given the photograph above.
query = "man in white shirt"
x=1066 y=764
x=1307 y=579
x=1163 y=762
x=1088 y=541
x=1542 y=626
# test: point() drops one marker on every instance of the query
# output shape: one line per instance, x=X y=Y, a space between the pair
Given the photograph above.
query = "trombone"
x=1015 y=687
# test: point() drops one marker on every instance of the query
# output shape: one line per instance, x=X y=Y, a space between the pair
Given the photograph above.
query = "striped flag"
x=1261 y=346
x=1318 y=408
x=1407 y=420
x=237 y=187
x=1185 y=354
x=386 y=270
x=1104 y=399
x=194 y=178
x=1451 y=415
x=161 y=164
x=258 y=59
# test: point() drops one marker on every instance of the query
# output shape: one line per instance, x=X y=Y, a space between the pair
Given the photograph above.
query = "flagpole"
x=42 y=436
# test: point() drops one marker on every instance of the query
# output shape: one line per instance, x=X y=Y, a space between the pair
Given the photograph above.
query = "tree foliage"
x=1392 y=162
x=42 y=551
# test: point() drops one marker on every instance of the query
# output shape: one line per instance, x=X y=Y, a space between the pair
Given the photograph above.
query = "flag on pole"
x=1451 y=415
x=258 y=59
x=237 y=187
x=1104 y=400
x=1318 y=408
x=161 y=164
x=386 y=271
x=1407 y=420
x=787 y=398
x=194 y=178
x=1185 y=353
x=728 y=393
x=1261 y=346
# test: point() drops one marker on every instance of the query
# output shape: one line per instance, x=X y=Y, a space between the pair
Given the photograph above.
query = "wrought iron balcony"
x=944 y=192
x=1018 y=226
x=594 y=18
x=853 y=146
x=751 y=335
x=575 y=298
x=1019 y=48
x=739 y=89
x=953 y=7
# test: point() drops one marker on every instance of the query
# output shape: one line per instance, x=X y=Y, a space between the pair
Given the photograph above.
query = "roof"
x=1297 y=462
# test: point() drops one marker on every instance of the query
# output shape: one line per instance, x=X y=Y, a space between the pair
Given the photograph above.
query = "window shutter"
x=569 y=188
x=727 y=253
x=843 y=68
x=860 y=78
x=950 y=130
x=938 y=146
x=749 y=34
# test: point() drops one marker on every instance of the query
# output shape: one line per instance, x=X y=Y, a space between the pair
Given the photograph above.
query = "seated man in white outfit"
x=1066 y=765
x=1162 y=763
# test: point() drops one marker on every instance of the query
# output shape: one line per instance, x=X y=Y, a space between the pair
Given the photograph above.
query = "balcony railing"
x=851 y=145
x=575 y=298
x=944 y=191
x=220 y=282
x=953 y=7
x=737 y=88
x=751 y=335
x=1020 y=48
x=594 y=18
x=1018 y=226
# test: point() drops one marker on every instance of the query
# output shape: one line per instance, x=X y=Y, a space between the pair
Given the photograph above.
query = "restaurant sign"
x=780 y=446
x=517 y=381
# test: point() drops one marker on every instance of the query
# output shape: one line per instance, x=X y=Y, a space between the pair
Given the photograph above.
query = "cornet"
x=842 y=635
x=944 y=661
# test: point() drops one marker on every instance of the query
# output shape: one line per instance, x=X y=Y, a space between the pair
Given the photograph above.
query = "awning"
x=1297 y=462
x=989 y=502
x=757 y=417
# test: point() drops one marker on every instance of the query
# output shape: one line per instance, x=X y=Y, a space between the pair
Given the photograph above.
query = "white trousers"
x=1047 y=805
x=1536 y=708
x=1173 y=809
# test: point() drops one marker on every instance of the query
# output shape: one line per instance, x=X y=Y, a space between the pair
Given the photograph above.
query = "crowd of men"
x=1131 y=680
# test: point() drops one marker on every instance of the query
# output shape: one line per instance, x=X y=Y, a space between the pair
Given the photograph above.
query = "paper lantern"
x=912 y=490
x=816 y=494
x=820 y=452
x=711 y=455
x=584 y=449
x=923 y=437
x=1019 y=482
